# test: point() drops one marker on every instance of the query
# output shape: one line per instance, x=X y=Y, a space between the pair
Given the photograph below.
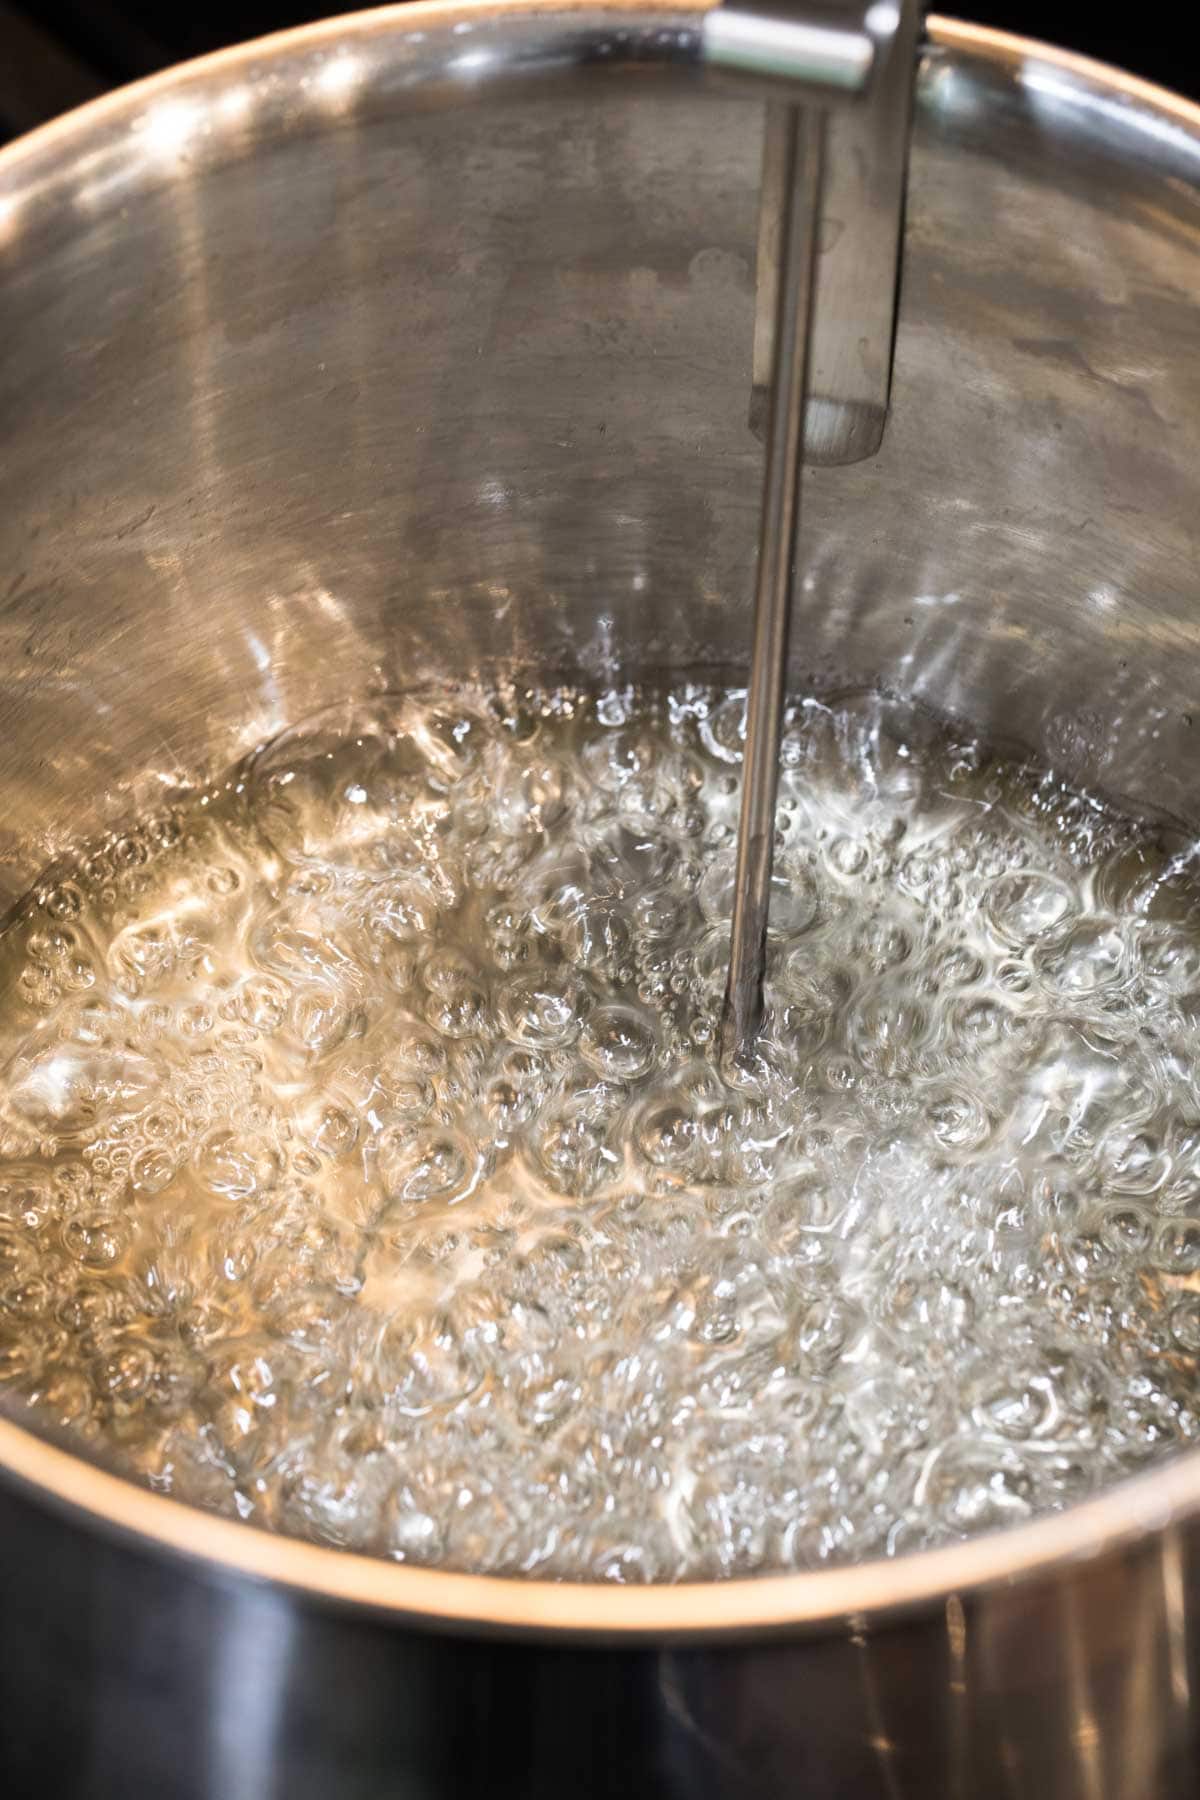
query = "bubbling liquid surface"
x=365 y=1171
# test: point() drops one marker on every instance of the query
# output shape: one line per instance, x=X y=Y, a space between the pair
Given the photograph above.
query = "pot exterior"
x=123 y=1673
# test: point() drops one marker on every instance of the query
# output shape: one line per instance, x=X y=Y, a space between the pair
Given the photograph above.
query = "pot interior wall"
x=327 y=375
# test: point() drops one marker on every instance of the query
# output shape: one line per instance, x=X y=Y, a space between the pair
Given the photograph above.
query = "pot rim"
x=1116 y=1520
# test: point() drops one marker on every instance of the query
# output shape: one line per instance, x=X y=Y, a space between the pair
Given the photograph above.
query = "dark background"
x=56 y=53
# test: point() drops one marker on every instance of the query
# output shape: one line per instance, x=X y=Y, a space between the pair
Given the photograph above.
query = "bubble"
x=334 y=1132
x=794 y=898
x=1091 y=959
x=959 y=1121
x=461 y=1011
x=542 y=1009
x=571 y=1145
x=530 y=796
x=236 y=1165
x=956 y=966
x=1177 y=1246
x=1125 y=1230
x=64 y=901
x=617 y=1043
x=126 y=1374
x=1149 y=882
x=1170 y=960
x=597 y=939
x=657 y=917
x=262 y=1004
x=453 y=737
x=930 y=1306
x=196 y=1019
x=411 y=1051
x=1132 y=1161
x=424 y=1372
x=669 y=1136
x=1185 y=1323
x=847 y=856
x=340 y=792
x=68 y=1090
x=882 y=945
x=153 y=1170
x=22 y=1358
x=425 y=1165
x=320 y=1019
x=1014 y=1404
x=822 y=1332
x=723 y=729
x=628 y=860
x=815 y=997
x=507 y=935
x=15 y=1252
x=982 y=1023
x=887 y=1033
x=1028 y=907
x=975 y=1488
x=27 y=1198
x=144 y=954
x=412 y=1533
x=95 y=1240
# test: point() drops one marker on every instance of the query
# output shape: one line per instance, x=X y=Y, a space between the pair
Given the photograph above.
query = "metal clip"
x=817 y=53
x=822 y=57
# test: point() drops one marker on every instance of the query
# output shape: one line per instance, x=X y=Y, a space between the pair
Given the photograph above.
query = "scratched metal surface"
x=311 y=378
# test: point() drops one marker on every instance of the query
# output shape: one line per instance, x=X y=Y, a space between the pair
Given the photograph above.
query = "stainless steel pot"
x=423 y=339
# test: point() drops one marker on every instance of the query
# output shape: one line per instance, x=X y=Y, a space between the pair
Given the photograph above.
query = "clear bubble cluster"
x=366 y=1171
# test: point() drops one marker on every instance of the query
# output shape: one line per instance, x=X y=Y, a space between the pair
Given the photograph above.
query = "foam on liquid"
x=365 y=1171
